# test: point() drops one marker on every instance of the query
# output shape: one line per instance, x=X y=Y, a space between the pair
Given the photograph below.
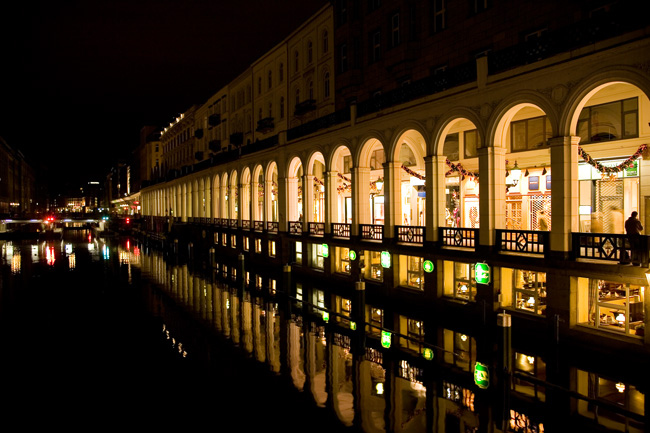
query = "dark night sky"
x=80 y=79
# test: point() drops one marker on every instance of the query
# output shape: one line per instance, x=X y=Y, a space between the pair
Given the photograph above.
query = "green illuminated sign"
x=352 y=255
x=325 y=250
x=482 y=273
x=427 y=354
x=353 y=326
x=326 y=316
x=385 y=259
x=385 y=339
x=427 y=265
x=481 y=375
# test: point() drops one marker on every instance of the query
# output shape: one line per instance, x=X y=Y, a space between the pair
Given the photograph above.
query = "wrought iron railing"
x=295 y=227
x=610 y=247
x=225 y=222
x=522 y=241
x=410 y=234
x=258 y=226
x=458 y=237
x=372 y=232
x=341 y=230
x=234 y=223
x=272 y=226
x=316 y=229
x=246 y=224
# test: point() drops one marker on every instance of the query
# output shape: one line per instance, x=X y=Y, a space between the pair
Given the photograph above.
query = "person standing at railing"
x=542 y=221
x=633 y=229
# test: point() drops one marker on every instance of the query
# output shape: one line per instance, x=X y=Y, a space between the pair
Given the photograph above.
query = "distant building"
x=17 y=183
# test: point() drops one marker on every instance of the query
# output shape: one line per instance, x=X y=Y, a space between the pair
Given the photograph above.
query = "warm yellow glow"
x=620 y=387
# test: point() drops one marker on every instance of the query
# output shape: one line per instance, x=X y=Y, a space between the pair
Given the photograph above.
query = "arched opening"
x=342 y=169
x=294 y=190
x=409 y=153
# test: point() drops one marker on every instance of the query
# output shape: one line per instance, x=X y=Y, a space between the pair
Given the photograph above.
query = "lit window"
x=460 y=349
x=458 y=280
x=343 y=260
x=611 y=121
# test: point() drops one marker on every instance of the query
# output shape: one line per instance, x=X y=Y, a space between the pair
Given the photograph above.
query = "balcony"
x=265 y=125
x=341 y=230
x=295 y=227
x=522 y=241
x=609 y=247
x=272 y=226
x=458 y=237
x=410 y=234
x=305 y=107
x=372 y=232
x=214 y=119
x=214 y=145
x=258 y=226
x=234 y=223
x=316 y=229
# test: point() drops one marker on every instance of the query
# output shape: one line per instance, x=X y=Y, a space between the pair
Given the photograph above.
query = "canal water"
x=116 y=333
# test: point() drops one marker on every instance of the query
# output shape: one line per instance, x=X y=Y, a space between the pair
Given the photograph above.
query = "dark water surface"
x=82 y=351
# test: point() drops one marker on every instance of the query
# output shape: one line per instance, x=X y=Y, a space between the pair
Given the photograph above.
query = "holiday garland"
x=412 y=173
x=612 y=171
x=460 y=169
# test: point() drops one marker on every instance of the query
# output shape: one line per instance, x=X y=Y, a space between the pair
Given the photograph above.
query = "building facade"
x=478 y=161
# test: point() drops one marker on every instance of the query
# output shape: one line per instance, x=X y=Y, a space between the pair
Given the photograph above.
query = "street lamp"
x=515 y=174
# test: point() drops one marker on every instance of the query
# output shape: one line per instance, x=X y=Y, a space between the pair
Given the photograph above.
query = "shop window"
x=343 y=308
x=246 y=243
x=529 y=134
x=611 y=306
x=317 y=259
x=523 y=290
x=233 y=241
x=411 y=333
x=373 y=269
x=612 y=393
x=462 y=396
x=271 y=248
x=411 y=272
x=611 y=121
x=258 y=281
x=374 y=320
x=535 y=368
x=460 y=349
x=299 y=295
x=216 y=238
x=224 y=271
x=342 y=260
x=458 y=281
x=298 y=253
x=224 y=239
x=318 y=300
x=258 y=246
x=233 y=273
x=470 y=143
x=273 y=286
x=248 y=279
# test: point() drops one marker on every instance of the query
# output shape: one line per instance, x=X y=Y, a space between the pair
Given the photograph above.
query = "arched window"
x=326 y=85
x=326 y=43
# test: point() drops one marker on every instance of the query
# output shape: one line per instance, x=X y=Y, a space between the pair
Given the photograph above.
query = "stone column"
x=331 y=200
x=360 y=198
x=492 y=193
x=564 y=193
x=392 y=197
x=434 y=167
x=308 y=199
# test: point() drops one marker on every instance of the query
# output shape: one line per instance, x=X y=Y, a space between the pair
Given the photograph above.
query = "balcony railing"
x=522 y=241
x=272 y=226
x=458 y=237
x=258 y=226
x=246 y=224
x=410 y=234
x=608 y=247
x=234 y=223
x=372 y=232
x=316 y=229
x=295 y=227
x=224 y=222
x=341 y=230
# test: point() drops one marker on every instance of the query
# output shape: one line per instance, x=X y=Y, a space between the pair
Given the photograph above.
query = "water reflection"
x=392 y=389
